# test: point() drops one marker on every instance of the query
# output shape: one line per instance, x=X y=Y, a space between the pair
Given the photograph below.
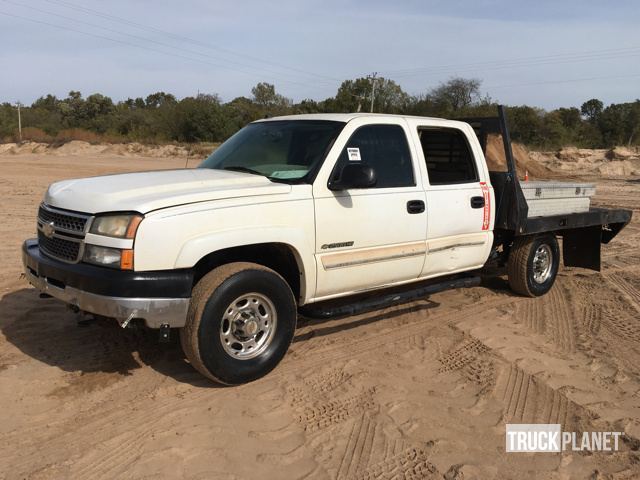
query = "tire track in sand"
x=527 y=399
x=531 y=312
x=336 y=411
x=560 y=326
x=346 y=348
x=411 y=464
x=621 y=284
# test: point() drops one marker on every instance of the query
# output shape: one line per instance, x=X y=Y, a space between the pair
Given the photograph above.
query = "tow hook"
x=164 y=332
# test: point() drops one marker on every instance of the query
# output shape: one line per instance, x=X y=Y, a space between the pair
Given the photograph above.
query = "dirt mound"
x=573 y=154
x=77 y=147
x=616 y=162
x=6 y=147
x=134 y=149
x=617 y=169
x=623 y=153
x=163 y=151
x=497 y=162
x=24 y=147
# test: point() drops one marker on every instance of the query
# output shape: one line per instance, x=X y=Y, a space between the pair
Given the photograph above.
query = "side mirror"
x=354 y=175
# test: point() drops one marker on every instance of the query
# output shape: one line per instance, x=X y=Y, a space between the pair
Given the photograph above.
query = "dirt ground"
x=420 y=390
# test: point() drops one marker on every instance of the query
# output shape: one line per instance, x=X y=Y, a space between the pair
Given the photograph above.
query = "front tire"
x=240 y=323
x=533 y=264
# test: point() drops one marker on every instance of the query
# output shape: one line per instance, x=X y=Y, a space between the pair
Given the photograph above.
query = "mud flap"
x=581 y=247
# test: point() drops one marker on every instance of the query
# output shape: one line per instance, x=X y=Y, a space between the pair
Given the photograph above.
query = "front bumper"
x=158 y=298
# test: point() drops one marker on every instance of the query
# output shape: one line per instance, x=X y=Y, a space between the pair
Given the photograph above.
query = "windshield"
x=287 y=150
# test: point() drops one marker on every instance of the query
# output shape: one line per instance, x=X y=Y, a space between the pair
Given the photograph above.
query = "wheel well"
x=276 y=256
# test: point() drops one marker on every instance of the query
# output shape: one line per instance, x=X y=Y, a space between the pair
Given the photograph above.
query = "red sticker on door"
x=486 y=212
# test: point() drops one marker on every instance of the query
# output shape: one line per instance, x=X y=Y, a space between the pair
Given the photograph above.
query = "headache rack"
x=582 y=232
x=511 y=206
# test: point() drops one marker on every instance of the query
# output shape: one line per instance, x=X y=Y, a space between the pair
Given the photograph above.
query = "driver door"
x=369 y=237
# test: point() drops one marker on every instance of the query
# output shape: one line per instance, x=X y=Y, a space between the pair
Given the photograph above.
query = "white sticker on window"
x=354 y=154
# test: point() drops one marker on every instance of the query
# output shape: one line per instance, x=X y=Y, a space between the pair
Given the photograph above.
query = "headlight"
x=120 y=226
x=109 y=257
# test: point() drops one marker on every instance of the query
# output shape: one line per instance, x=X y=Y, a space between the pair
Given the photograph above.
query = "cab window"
x=385 y=149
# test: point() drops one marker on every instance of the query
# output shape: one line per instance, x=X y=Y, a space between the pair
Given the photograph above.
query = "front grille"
x=63 y=220
x=64 y=233
x=57 y=247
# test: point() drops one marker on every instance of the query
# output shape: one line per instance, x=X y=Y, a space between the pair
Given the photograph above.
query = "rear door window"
x=448 y=156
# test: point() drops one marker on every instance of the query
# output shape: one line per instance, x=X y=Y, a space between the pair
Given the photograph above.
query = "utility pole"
x=373 y=88
x=360 y=99
x=19 y=123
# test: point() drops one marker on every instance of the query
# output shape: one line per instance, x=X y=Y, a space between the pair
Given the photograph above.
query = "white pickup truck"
x=295 y=211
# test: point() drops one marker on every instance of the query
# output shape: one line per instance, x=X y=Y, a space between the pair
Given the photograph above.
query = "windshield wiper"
x=240 y=168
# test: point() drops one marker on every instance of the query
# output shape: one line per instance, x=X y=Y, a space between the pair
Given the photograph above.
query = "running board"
x=332 y=309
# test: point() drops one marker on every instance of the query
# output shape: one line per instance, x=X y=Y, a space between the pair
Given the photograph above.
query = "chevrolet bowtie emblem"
x=48 y=229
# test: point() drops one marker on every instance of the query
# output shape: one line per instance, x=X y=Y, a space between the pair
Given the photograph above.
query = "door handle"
x=415 y=206
x=477 y=202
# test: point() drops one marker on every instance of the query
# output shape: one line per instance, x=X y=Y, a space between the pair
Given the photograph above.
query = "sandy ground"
x=421 y=390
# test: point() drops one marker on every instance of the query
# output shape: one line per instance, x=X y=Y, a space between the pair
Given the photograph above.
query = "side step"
x=375 y=301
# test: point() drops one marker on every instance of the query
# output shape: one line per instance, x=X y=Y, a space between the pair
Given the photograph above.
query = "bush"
x=70 y=134
x=33 y=134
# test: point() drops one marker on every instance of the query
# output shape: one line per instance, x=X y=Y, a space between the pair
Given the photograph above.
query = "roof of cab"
x=347 y=117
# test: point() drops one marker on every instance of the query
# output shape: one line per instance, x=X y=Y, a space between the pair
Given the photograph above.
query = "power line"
x=103 y=37
x=396 y=73
x=436 y=70
x=518 y=62
x=114 y=18
x=572 y=80
x=539 y=57
x=138 y=37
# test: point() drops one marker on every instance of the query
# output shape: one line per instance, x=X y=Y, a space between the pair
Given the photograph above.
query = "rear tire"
x=240 y=323
x=533 y=264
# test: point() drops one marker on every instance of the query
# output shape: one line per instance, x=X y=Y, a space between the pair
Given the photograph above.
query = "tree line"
x=161 y=117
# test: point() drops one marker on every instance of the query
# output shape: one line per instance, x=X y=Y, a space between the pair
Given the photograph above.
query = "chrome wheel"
x=248 y=326
x=542 y=263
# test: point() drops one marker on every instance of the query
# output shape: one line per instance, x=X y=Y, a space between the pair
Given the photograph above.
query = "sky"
x=543 y=53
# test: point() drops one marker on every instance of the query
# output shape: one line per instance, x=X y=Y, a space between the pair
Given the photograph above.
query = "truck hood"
x=146 y=191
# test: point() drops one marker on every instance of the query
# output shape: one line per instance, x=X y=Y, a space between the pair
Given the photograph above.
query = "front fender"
x=199 y=247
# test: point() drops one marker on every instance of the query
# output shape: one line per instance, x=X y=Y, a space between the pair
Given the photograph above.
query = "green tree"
x=270 y=102
x=592 y=109
x=159 y=99
x=389 y=97
x=199 y=119
x=307 y=106
x=633 y=123
x=352 y=96
x=613 y=122
x=50 y=102
x=526 y=125
x=457 y=93
x=238 y=112
x=355 y=96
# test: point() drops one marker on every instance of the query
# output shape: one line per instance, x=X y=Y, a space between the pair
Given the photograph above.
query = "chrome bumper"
x=154 y=311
